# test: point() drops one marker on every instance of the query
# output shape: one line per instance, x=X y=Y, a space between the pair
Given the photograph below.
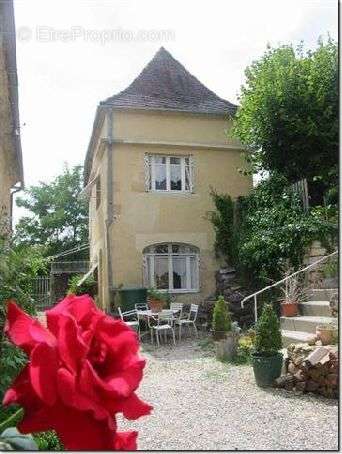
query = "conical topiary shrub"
x=268 y=334
x=267 y=360
x=222 y=322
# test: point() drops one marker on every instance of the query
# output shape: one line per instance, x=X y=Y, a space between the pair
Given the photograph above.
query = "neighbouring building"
x=156 y=149
x=11 y=164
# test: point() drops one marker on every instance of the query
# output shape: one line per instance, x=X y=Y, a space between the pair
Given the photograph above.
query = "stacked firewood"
x=311 y=368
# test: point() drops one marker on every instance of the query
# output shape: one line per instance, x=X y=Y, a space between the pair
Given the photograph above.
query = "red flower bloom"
x=83 y=369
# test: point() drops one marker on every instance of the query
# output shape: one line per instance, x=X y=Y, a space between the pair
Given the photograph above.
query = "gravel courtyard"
x=200 y=403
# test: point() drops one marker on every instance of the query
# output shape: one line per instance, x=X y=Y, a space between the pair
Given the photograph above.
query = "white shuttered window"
x=168 y=173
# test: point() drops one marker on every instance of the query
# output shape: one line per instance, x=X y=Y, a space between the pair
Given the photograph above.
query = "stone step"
x=295 y=337
x=305 y=323
x=319 y=308
x=322 y=294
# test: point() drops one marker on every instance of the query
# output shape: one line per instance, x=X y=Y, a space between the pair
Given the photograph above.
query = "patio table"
x=150 y=314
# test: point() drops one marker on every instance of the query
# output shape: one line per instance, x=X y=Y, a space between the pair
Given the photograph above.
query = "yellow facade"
x=142 y=218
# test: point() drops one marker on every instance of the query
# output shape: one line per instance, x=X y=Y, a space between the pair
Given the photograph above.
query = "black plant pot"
x=266 y=368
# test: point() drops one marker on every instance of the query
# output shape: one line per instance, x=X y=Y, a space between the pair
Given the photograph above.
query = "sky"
x=73 y=54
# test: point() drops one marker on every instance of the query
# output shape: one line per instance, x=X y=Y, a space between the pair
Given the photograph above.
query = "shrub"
x=221 y=316
x=157 y=295
x=48 y=441
x=268 y=334
x=88 y=287
x=222 y=220
x=270 y=230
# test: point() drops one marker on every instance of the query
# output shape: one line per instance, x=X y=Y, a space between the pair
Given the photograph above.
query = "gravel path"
x=200 y=403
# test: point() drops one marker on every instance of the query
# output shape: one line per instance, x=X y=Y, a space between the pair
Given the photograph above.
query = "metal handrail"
x=254 y=295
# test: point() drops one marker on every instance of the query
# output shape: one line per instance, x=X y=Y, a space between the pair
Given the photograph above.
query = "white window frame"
x=168 y=173
x=150 y=265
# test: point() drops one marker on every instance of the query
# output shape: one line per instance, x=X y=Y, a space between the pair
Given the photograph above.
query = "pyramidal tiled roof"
x=165 y=84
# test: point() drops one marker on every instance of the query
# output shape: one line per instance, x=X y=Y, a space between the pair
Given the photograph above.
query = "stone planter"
x=327 y=334
x=226 y=349
x=218 y=335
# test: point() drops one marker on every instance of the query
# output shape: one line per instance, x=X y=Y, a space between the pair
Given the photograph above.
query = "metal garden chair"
x=189 y=321
x=161 y=323
x=132 y=321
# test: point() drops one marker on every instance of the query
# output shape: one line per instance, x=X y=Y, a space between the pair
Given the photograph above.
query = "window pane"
x=160 y=159
x=175 y=161
x=161 y=272
x=160 y=176
x=193 y=273
x=175 y=248
x=179 y=272
x=161 y=249
x=176 y=177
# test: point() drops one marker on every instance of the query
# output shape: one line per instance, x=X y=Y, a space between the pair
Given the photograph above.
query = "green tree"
x=268 y=334
x=270 y=230
x=18 y=268
x=58 y=218
x=222 y=219
x=288 y=119
x=221 y=316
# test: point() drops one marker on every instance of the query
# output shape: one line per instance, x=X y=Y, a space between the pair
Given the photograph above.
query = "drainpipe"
x=15 y=190
x=110 y=217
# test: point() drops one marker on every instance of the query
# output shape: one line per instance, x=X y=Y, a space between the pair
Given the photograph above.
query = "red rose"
x=83 y=369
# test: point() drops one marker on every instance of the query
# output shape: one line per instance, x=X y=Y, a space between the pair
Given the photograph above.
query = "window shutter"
x=192 y=173
x=147 y=165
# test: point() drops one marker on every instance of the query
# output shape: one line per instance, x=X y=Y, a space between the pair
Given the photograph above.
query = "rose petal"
x=43 y=372
x=126 y=441
x=132 y=407
x=69 y=391
x=71 y=347
x=24 y=331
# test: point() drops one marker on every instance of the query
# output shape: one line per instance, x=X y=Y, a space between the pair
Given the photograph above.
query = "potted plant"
x=292 y=295
x=156 y=300
x=266 y=359
x=222 y=323
x=327 y=333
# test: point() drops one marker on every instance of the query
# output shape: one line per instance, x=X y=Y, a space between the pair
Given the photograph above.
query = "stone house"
x=11 y=164
x=155 y=151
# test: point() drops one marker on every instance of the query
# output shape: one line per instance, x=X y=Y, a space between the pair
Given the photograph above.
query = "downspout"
x=16 y=189
x=110 y=217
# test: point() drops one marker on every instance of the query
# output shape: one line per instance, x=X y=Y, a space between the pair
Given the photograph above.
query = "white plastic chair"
x=189 y=321
x=163 y=323
x=134 y=324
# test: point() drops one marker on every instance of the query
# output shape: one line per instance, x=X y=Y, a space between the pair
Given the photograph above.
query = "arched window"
x=172 y=266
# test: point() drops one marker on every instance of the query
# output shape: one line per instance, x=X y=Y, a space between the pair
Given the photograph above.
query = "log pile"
x=311 y=368
x=228 y=286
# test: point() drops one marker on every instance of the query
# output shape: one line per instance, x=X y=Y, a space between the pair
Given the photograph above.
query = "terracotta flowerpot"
x=327 y=334
x=289 y=309
x=156 y=305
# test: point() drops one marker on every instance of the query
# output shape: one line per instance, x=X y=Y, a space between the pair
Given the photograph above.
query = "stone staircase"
x=312 y=313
